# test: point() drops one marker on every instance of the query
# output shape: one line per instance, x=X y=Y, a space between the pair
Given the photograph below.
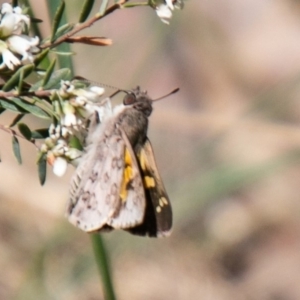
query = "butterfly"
x=117 y=184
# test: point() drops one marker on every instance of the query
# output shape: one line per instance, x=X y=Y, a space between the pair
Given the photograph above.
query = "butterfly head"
x=139 y=100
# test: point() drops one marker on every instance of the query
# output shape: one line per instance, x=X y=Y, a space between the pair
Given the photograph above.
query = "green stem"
x=102 y=261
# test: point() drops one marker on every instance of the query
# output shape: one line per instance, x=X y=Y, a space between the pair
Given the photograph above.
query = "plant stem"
x=103 y=264
x=84 y=25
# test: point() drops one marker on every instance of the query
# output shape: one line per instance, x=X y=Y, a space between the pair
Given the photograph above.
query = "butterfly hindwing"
x=158 y=213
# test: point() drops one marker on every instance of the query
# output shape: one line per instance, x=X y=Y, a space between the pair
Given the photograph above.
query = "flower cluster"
x=73 y=106
x=77 y=103
x=14 y=45
x=164 y=10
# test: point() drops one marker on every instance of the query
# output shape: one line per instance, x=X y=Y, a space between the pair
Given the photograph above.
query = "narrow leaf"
x=48 y=73
x=63 y=30
x=14 y=80
x=42 y=168
x=31 y=108
x=47 y=109
x=16 y=120
x=6 y=104
x=40 y=57
x=35 y=30
x=2 y=109
x=56 y=77
x=35 y=20
x=86 y=9
x=16 y=149
x=25 y=131
x=90 y=40
x=41 y=133
x=75 y=143
x=103 y=7
x=64 y=53
x=21 y=78
x=63 y=61
x=57 y=19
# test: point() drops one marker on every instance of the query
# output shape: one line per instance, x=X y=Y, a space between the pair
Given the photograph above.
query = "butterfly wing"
x=158 y=214
x=131 y=208
x=96 y=199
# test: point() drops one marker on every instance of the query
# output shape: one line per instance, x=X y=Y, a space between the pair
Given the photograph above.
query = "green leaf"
x=25 y=131
x=41 y=133
x=103 y=7
x=48 y=109
x=34 y=29
x=86 y=9
x=42 y=167
x=40 y=57
x=21 y=81
x=7 y=104
x=75 y=143
x=2 y=110
x=48 y=73
x=63 y=30
x=16 y=149
x=14 y=80
x=31 y=108
x=36 y=86
x=64 y=53
x=16 y=120
x=65 y=61
x=56 y=77
x=57 y=20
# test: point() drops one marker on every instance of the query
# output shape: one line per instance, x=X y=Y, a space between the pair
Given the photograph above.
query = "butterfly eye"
x=129 y=99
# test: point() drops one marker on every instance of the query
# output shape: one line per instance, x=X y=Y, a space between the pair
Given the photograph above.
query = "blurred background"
x=227 y=146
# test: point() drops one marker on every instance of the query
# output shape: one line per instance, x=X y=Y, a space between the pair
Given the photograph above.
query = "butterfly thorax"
x=133 y=120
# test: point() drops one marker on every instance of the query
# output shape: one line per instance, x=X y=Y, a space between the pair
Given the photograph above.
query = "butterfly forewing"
x=131 y=206
x=95 y=188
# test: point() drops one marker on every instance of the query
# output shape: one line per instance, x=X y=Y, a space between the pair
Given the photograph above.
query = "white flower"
x=60 y=166
x=6 y=8
x=79 y=101
x=97 y=90
x=69 y=119
x=23 y=45
x=69 y=115
x=91 y=94
x=8 y=58
x=12 y=20
x=169 y=3
x=66 y=88
x=73 y=153
x=164 y=12
x=60 y=148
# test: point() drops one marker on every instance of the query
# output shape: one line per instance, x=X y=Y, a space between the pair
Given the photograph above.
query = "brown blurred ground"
x=227 y=146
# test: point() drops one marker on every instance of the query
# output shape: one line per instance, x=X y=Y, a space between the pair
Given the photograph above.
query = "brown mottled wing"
x=158 y=215
x=95 y=202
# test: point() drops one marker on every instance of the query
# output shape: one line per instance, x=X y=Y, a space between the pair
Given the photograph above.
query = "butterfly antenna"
x=97 y=83
x=167 y=95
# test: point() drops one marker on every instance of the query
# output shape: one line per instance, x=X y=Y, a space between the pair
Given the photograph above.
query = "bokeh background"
x=227 y=146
